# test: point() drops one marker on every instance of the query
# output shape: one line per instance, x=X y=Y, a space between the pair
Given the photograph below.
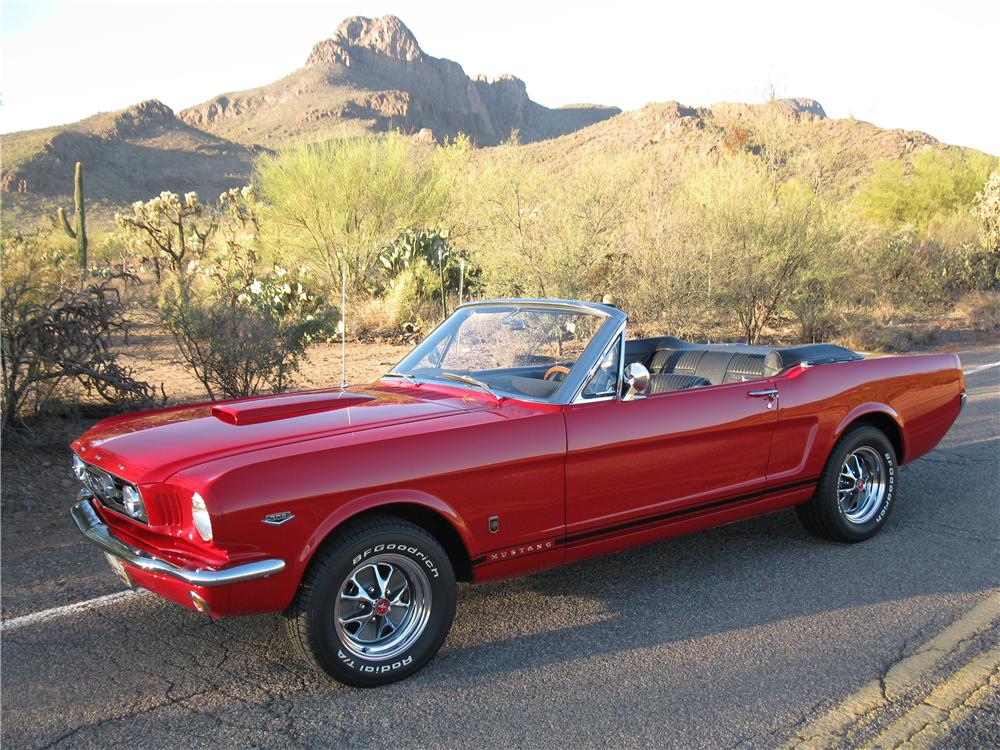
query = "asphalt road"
x=751 y=635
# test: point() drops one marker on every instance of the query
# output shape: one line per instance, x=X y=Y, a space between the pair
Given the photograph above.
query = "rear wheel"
x=375 y=604
x=856 y=490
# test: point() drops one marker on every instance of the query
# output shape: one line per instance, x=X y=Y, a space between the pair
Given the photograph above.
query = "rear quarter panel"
x=922 y=394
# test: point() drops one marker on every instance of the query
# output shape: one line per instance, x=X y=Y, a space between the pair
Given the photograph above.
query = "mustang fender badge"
x=276 y=519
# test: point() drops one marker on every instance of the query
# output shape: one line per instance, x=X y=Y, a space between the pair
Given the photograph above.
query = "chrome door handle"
x=771 y=394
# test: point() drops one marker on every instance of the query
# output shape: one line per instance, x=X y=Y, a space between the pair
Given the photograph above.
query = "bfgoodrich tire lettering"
x=857 y=489
x=375 y=604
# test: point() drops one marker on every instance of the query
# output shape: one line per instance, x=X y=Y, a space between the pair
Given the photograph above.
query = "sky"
x=913 y=65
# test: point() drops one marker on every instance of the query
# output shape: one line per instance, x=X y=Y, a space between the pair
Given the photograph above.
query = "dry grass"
x=979 y=311
x=873 y=337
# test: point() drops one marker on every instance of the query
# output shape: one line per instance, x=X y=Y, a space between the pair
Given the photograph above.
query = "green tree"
x=339 y=203
x=760 y=233
x=541 y=235
x=937 y=189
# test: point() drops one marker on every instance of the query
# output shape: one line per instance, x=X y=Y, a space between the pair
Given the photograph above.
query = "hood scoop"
x=283 y=406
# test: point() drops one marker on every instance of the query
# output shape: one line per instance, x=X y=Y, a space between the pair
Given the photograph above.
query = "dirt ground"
x=154 y=356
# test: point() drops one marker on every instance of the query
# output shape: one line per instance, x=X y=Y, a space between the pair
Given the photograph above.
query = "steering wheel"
x=555 y=370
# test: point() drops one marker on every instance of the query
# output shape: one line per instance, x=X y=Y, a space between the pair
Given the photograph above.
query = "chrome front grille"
x=107 y=488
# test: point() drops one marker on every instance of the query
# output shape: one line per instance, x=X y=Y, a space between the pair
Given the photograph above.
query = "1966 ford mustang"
x=519 y=435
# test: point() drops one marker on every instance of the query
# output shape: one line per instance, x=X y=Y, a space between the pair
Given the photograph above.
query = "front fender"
x=372 y=502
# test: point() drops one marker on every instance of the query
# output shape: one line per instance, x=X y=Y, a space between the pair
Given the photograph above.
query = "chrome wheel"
x=861 y=484
x=382 y=607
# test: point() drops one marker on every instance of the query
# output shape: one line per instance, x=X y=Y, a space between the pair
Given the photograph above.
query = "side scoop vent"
x=268 y=408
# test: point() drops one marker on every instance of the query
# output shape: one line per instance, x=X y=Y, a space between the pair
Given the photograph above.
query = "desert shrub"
x=980 y=310
x=542 y=236
x=168 y=231
x=370 y=318
x=338 y=204
x=865 y=333
x=57 y=333
x=414 y=296
x=760 y=233
x=240 y=331
x=986 y=210
x=934 y=195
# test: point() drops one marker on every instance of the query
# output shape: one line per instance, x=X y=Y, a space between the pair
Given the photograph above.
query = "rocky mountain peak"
x=139 y=118
x=386 y=36
x=149 y=111
x=371 y=75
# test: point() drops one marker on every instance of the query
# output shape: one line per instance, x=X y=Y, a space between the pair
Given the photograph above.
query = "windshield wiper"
x=406 y=375
x=470 y=381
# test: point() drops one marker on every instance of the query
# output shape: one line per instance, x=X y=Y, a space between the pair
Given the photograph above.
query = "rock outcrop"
x=371 y=74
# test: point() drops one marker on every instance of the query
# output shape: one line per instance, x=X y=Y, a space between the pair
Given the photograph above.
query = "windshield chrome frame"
x=579 y=398
x=581 y=372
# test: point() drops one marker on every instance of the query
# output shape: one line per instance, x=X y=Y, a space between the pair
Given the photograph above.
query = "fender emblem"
x=276 y=519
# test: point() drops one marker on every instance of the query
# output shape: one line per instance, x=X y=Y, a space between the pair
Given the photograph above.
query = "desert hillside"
x=372 y=76
x=127 y=155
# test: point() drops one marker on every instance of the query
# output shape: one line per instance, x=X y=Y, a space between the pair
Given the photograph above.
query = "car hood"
x=151 y=446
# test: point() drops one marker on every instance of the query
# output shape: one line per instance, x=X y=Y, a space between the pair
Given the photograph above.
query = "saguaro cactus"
x=79 y=229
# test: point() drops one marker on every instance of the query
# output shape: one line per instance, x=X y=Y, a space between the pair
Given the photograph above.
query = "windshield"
x=510 y=350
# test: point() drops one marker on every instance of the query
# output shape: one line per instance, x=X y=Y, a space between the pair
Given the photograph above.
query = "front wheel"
x=856 y=490
x=375 y=604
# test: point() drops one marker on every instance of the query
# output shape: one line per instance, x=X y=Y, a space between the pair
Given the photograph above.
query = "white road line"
x=69 y=609
x=974 y=370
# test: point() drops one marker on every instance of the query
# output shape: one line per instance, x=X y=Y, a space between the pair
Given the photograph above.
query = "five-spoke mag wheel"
x=375 y=603
x=383 y=607
x=861 y=484
x=856 y=490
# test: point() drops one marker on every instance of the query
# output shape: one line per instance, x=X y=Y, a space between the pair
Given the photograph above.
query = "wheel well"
x=437 y=526
x=887 y=425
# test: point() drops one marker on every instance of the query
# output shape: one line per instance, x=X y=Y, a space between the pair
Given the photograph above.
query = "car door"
x=630 y=462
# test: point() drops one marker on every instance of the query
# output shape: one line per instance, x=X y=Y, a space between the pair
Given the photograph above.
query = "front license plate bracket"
x=118 y=568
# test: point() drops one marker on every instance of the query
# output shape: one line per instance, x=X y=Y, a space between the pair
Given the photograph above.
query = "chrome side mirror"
x=637 y=380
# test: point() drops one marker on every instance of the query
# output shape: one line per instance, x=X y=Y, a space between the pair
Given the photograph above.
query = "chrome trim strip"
x=578 y=396
x=566 y=304
x=97 y=531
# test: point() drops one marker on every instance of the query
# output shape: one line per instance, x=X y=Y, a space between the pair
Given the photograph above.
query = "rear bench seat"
x=714 y=365
x=675 y=364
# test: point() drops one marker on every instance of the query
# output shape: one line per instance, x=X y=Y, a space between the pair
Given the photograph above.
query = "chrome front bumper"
x=96 y=531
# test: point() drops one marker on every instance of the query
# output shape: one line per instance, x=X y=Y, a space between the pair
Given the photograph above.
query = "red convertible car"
x=519 y=435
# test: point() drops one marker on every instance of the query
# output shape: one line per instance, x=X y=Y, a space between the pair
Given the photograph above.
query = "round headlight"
x=79 y=468
x=132 y=501
x=199 y=514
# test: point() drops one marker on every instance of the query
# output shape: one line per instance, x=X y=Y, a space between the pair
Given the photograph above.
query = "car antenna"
x=342 y=325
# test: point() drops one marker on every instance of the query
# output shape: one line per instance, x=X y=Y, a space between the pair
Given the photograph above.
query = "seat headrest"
x=779 y=360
